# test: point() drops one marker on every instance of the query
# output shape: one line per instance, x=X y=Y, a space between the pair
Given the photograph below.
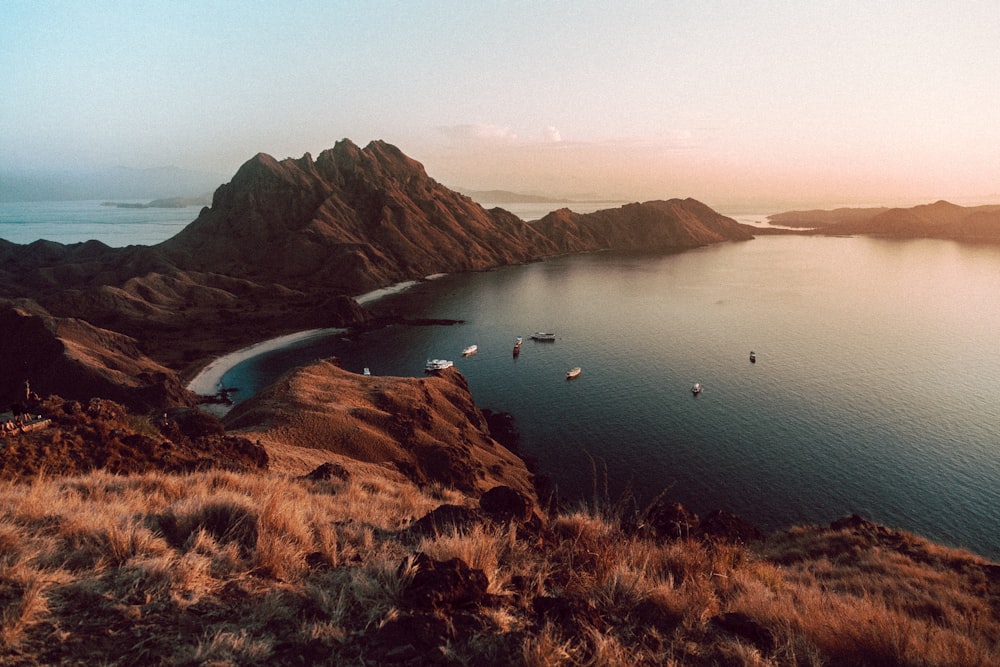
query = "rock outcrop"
x=428 y=428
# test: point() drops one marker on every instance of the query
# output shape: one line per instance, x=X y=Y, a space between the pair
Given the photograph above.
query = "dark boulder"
x=729 y=527
x=447 y=519
x=670 y=521
x=443 y=584
x=502 y=503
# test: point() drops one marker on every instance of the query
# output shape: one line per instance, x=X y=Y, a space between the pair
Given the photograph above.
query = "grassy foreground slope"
x=228 y=568
x=378 y=522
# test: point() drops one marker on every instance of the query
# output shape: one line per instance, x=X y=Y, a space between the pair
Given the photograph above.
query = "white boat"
x=438 y=364
x=573 y=372
x=541 y=335
x=367 y=371
x=518 y=341
x=472 y=349
x=696 y=389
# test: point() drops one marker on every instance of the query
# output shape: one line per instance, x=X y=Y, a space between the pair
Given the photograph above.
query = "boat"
x=472 y=349
x=367 y=371
x=753 y=357
x=696 y=389
x=542 y=336
x=517 y=345
x=438 y=365
x=573 y=372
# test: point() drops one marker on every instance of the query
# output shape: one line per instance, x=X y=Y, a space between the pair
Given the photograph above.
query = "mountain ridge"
x=287 y=243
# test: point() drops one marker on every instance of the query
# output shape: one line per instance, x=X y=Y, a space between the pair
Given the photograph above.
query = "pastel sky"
x=730 y=102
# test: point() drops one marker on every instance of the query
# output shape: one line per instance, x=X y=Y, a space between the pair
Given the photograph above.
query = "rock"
x=446 y=519
x=443 y=584
x=670 y=521
x=729 y=527
x=502 y=503
x=328 y=471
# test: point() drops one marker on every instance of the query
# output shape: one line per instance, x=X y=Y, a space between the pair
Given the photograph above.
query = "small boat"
x=542 y=336
x=472 y=349
x=573 y=372
x=696 y=389
x=438 y=365
x=367 y=371
x=518 y=341
x=753 y=357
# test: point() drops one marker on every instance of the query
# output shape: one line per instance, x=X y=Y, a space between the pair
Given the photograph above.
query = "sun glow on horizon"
x=723 y=102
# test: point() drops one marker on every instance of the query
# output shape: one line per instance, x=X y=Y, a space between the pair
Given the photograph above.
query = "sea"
x=876 y=386
x=85 y=220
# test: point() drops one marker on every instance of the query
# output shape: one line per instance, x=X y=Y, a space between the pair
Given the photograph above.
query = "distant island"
x=940 y=220
x=508 y=197
x=170 y=202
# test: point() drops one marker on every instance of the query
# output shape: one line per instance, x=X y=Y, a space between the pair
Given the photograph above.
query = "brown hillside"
x=80 y=360
x=940 y=220
x=654 y=226
x=820 y=218
x=352 y=220
x=428 y=428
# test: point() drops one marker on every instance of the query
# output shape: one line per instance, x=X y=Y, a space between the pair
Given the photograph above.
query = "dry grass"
x=222 y=568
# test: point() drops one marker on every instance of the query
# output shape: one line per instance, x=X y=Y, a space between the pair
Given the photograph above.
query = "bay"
x=876 y=388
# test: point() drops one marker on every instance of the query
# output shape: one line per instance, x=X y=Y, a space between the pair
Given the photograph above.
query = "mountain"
x=286 y=244
x=350 y=221
x=655 y=226
x=821 y=218
x=940 y=220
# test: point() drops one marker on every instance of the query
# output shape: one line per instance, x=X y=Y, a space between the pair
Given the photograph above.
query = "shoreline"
x=208 y=381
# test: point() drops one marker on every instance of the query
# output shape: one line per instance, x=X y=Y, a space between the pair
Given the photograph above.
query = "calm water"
x=876 y=388
x=77 y=221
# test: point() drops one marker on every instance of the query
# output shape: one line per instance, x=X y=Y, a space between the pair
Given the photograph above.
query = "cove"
x=876 y=388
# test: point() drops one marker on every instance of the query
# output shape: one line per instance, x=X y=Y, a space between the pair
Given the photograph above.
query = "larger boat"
x=573 y=372
x=541 y=335
x=472 y=349
x=696 y=389
x=438 y=365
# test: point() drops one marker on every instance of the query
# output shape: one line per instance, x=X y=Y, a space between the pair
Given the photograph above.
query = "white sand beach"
x=208 y=382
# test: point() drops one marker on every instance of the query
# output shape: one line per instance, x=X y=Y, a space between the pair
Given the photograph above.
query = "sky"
x=734 y=103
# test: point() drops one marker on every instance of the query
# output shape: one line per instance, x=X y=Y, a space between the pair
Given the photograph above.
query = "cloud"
x=478 y=133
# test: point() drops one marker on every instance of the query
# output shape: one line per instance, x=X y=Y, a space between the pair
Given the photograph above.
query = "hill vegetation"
x=226 y=568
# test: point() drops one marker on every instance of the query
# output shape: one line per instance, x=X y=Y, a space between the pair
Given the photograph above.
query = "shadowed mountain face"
x=284 y=246
x=350 y=221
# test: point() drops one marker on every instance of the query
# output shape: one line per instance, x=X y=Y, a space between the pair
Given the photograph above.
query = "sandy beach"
x=208 y=381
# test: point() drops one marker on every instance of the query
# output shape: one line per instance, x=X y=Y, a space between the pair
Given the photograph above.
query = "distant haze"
x=738 y=104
